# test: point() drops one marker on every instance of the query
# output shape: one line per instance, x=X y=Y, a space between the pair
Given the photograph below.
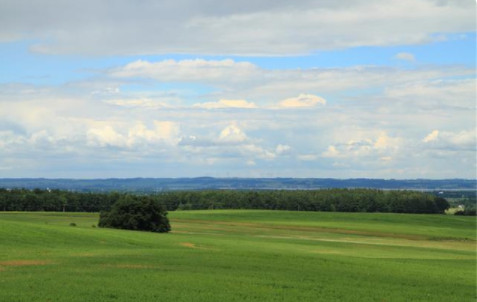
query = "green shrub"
x=136 y=213
x=468 y=211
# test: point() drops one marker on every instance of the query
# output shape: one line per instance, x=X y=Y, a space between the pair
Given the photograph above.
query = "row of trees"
x=339 y=200
x=335 y=200
x=55 y=200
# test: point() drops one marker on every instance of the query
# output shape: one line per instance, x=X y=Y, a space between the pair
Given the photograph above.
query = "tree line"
x=335 y=200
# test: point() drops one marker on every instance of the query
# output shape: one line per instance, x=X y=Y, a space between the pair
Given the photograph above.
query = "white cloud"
x=231 y=80
x=452 y=141
x=226 y=104
x=331 y=152
x=105 y=136
x=251 y=163
x=405 y=105
x=163 y=131
x=131 y=103
x=434 y=91
x=381 y=145
x=167 y=130
x=384 y=142
x=302 y=101
x=198 y=70
x=9 y=139
x=307 y=157
x=257 y=152
x=129 y=136
x=282 y=149
x=232 y=134
x=232 y=144
x=210 y=27
x=406 y=56
x=431 y=136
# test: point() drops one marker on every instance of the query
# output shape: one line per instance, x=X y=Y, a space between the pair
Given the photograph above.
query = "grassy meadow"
x=240 y=255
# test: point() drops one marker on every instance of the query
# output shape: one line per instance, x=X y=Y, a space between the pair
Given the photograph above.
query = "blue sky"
x=24 y=65
x=252 y=89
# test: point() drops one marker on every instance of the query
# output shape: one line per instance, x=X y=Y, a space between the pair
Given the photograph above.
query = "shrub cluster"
x=467 y=211
x=136 y=213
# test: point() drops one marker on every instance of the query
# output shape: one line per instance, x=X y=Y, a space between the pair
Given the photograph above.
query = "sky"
x=267 y=88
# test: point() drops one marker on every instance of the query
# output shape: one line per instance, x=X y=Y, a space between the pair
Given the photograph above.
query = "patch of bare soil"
x=189 y=245
x=134 y=266
x=129 y=266
x=225 y=225
x=194 y=246
x=24 y=263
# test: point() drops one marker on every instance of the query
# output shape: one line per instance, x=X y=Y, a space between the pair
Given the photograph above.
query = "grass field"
x=240 y=255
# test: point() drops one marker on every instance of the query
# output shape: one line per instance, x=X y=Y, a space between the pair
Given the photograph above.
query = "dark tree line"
x=55 y=200
x=335 y=200
x=339 y=200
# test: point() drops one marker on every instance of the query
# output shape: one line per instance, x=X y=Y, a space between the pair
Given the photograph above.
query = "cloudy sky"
x=267 y=88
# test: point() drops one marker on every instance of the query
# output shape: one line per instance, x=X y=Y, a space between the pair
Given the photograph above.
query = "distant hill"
x=202 y=183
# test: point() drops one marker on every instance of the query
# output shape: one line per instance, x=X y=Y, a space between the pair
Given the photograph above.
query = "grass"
x=240 y=255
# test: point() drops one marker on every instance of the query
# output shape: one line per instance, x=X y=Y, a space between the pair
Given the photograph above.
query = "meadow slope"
x=240 y=255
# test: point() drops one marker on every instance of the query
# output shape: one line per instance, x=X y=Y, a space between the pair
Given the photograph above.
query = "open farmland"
x=240 y=255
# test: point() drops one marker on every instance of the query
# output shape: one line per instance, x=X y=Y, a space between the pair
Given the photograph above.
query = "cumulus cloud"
x=406 y=105
x=307 y=157
x=302 y=101
x=282 y=149
x=209 y=27
x=231 y=143
x=9 y=138
x=331 y=152
x=440 y=89
x=197 y=70
x=445 y=98
x=452 y=140
x=131 y=103
x=431 y=136
x=105 y=135
x=226 y=104
x=163 y=131
x=406 y=56
x=231 y=80
x=232 y=134
x=381 y=146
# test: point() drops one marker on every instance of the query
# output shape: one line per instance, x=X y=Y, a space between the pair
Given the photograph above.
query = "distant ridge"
x=209 y=183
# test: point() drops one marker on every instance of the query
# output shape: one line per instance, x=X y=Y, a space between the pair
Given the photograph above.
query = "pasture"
x=240 y=255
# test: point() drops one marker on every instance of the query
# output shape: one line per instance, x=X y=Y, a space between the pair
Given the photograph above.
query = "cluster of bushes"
x=339 y=200
x=467 y=211
x=136 y=213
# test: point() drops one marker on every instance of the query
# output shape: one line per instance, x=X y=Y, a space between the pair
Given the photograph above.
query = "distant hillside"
x=201 y=183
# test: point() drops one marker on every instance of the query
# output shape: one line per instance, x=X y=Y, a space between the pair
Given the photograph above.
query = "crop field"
x=240 y=255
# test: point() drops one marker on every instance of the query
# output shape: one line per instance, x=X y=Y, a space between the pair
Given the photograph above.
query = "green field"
x=240 y=255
